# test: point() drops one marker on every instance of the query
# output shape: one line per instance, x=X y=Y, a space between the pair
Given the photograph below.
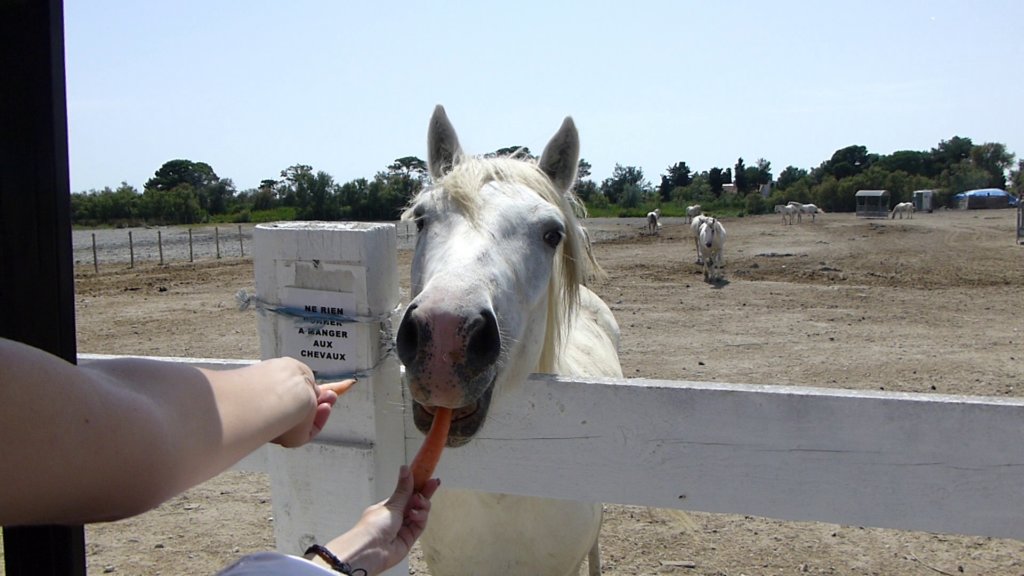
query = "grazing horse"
x=497 y=293
x=805 y=209
x=692 y=212
x=710 y=245
x=901 y=208
x=787 y=211
x=654 y=221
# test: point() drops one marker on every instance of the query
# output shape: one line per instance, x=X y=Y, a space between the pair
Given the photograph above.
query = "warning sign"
x=323 y=333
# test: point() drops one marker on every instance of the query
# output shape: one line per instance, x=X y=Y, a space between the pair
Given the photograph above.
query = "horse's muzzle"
x=450 y=358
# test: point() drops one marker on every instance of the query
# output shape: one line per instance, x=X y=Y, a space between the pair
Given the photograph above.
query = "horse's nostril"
x=484 y=341
x=407 y=339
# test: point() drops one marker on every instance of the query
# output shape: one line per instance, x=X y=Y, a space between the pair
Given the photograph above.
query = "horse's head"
x=707 y=231
x=499 y=258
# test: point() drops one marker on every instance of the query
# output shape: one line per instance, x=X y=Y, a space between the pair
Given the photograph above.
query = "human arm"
x=387 y=530
x=118 y=437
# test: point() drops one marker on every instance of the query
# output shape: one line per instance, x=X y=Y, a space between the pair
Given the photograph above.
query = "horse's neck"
x=592 y=345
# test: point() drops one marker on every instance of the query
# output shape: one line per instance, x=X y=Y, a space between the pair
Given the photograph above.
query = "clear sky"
x=252 y=87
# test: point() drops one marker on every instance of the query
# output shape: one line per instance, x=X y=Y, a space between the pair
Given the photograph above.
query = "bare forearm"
x=210 y=419
x=119 y=437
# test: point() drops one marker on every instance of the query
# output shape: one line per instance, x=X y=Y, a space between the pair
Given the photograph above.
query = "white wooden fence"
x=894 y=460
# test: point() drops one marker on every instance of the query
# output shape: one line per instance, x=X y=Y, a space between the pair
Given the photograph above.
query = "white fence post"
x=326 y=293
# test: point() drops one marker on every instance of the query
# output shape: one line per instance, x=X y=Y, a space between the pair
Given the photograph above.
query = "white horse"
x=692 y=212
x=497 y=293
x=787 y=211
x=902 y=208
x=710 y=245
x=805 y=209
x=695 y=224
x=654 y=221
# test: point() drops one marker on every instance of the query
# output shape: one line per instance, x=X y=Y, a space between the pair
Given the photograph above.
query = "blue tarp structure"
x=985 y=198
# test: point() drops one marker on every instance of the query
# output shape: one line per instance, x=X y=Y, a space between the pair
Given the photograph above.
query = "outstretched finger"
x=339 y=387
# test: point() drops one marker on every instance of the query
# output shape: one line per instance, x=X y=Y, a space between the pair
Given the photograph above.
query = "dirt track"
x=929 y=304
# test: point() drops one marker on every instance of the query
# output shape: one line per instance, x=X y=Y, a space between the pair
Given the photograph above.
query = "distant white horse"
x=491 y=303
x=901 y=208
x=695 y=232
x=787 y=211
x=654 y=221
x=805 y=209
x=692 y=212
x=710 y=244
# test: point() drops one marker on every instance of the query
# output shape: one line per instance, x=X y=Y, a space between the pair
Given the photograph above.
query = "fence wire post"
x=347 y=269
x=190 y=245
x=216 y=238
x=241 y=249
x=131 y=251
x=95 y=262
x=160 y=245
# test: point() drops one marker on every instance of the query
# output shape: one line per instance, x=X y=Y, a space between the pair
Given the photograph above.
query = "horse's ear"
x=443 y=149
x=561 y=156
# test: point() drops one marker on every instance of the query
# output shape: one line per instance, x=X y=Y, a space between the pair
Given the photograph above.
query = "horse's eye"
x=419 y=224
x=553 y=237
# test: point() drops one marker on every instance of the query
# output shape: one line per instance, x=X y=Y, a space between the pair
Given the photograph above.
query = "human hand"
x=387 y=530
x=325 y=396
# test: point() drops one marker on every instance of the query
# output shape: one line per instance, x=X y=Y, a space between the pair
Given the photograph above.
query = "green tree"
x=789 y=176
x=909 y=161
x=697 y=191
x=410 y=166
x=993 y=159
x=632 y=196
x=216 y=197
x=677 y=176
x=848 y=162
x=213 y=194
x=962 y=177
x=740 y=178
x=1017 y=179
x=177 y=172
x=316 y=196
x=586 y=188
x=265 y=197
x=391 y=191
x=352 y=198
x=949 y=153
x=828 y=196
x=760 y=174
x=179 y=205
x=716 y=177
x=755 y=204
x=512 y=151
x=622 y=176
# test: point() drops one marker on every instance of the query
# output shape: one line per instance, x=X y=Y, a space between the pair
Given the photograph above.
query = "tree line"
x=187 y=192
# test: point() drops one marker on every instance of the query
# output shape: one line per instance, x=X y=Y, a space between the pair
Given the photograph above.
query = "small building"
x=872 y=203
x=924 y=200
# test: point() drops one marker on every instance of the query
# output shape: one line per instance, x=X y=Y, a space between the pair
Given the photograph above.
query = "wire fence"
x=164 y=245
x=176 y=244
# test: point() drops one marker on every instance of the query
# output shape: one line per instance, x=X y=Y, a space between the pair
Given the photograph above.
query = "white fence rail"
x=893 y=460
x=927 y=462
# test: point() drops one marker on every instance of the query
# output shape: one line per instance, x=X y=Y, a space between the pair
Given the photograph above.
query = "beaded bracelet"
x=333 y=561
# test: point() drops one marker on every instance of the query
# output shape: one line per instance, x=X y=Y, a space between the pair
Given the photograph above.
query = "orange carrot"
x=426 y=459
x=340 y=387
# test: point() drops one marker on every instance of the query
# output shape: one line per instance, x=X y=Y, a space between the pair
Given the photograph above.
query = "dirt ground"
x=929 y=304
